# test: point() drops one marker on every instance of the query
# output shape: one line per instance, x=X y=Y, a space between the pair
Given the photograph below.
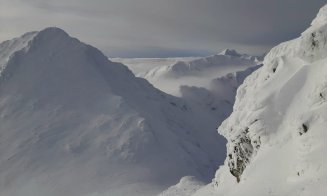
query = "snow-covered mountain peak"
x=320 y=20
x=309 y=47
x=53 y=32
x=54 y=36
x=69 y=115
x=8 y=48
x=230 y=52
x=50 y=36
x=55 y=48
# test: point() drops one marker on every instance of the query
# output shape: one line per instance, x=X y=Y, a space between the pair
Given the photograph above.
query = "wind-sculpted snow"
x=74 y=123
x=310 y=47
x=276 y=133
x=8 y=48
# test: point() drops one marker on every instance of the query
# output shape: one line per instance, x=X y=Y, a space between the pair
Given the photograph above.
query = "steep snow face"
x=9 y=47
x=186 y=187
x=218 y=101
x=320 y=20
x=276 y=133
x=310 y=47
x=198 y=72
x=219 y=97
x=74 y=123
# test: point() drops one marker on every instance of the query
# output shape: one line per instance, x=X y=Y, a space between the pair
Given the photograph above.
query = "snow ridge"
x=196 y=67
x=8 y=48
x=311 y=46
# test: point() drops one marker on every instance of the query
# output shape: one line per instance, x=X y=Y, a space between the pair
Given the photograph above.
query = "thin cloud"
x=164 y=27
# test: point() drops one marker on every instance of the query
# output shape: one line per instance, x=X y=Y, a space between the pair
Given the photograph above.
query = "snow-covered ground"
x=277 y=131
x=186 y=187
x=74 y=123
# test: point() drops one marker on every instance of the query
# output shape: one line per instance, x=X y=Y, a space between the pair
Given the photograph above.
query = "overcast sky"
x=161 y=28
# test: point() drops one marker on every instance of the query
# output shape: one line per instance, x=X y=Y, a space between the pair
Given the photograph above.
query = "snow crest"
x=196 y=67
x=311 y=46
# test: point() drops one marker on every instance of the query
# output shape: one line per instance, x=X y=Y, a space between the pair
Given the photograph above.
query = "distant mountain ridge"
x=228 y=57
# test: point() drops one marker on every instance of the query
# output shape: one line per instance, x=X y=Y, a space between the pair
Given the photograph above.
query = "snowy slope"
x=219 y=97
x=74 y=123
x=276 y=133
x=218 y=101
x=9 y=47
x=198 y=72
x=186 y=187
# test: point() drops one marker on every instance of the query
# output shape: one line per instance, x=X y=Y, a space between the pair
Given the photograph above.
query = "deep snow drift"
x=277 y=131
x=74 y=123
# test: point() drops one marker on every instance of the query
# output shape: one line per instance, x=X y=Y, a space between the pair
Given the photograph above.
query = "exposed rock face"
x=243 y=146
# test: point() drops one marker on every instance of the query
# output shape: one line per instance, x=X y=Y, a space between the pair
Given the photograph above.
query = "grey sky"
x=159 y=28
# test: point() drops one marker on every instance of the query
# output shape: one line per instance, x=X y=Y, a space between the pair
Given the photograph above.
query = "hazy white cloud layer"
x=157 y=28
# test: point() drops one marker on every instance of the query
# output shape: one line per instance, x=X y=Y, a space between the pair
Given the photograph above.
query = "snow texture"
x=276 y=133
x=74 y=123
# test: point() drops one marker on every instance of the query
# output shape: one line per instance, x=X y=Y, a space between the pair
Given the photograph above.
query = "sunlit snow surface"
x=277 y=130
x=74 y=123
